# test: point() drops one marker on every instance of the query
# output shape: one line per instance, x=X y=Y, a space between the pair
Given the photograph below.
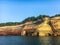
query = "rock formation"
x=29 y=29
x=10 y=30
x=44 y=28
x=49 y=27
x=56 y=24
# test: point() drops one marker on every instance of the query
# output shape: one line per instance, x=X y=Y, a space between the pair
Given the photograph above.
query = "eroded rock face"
x=44 y=29
x=31 y=29
x=56 y=24
x=10 y=30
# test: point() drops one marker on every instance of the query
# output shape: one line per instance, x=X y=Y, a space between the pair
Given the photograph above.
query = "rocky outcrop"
x=29 y=29
x=10 y=30
x=49 y=27
x=56 y=24
x=44 y=28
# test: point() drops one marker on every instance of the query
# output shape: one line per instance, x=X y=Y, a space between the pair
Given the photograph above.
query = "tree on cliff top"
x=34 y=18
x=29 y=19
x=55 y=15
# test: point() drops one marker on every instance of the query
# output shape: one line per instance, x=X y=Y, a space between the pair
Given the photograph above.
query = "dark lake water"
x=21 y=40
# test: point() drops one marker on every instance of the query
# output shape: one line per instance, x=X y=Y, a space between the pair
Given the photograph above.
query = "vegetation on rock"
x=41 y=25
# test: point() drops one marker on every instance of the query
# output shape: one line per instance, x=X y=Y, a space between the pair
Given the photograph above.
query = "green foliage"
x=55 y=15
x=33 y=18
x=42 y=16
x=9 y=23
x=29 y=19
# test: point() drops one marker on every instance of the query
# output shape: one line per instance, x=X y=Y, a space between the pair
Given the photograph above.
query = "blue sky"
x=18 y=10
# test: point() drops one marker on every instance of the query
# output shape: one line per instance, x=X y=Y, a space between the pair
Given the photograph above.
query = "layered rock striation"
x=44 y=28
x=49 y=27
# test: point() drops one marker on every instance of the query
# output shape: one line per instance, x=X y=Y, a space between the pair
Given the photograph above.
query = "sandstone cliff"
x=50 y=26
x=10 y=30
x=56 y=24
x=44 y=28
x=29 y=29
